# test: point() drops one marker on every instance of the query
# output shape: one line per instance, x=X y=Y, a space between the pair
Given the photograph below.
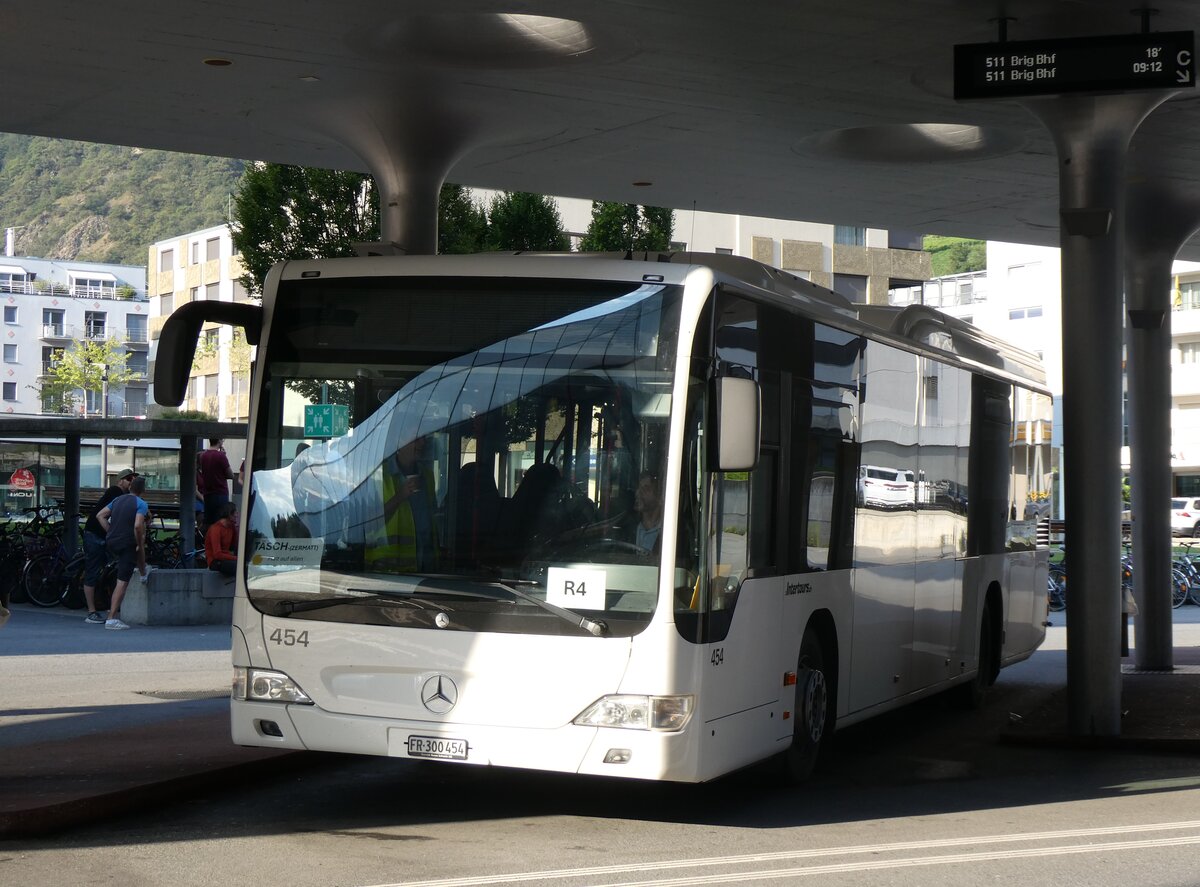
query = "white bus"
x=599 y=515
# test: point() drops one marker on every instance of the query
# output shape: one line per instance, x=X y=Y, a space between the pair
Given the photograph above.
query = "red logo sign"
x=22 y=479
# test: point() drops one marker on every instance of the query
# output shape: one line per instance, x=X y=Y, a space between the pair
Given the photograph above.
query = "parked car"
x=880 y=487
x=1185 y=517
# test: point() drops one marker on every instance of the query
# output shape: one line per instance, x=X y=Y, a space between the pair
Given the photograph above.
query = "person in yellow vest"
x=407 y=540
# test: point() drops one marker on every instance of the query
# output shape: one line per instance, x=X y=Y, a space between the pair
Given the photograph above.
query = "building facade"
x=52 y=306
x=190 y=268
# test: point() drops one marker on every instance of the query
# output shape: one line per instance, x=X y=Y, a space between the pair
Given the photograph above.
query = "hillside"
x=105 y=203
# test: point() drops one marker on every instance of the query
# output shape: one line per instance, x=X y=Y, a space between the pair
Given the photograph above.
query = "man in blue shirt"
x=124 y=522
x=93 y=545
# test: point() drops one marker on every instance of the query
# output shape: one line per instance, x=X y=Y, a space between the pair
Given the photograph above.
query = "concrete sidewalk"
x=94 y=723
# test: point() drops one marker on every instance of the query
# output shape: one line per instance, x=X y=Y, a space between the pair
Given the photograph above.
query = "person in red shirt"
x=220 y=542
x=212 y=479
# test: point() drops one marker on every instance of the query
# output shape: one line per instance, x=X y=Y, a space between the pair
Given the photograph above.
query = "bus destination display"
x=1115 y=63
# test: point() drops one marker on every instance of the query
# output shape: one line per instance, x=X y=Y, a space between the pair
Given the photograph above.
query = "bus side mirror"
x=736 y=422
x=177 y=342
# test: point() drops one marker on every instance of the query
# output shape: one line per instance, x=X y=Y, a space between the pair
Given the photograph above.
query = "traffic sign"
x=326 y=419
x=1109 y=64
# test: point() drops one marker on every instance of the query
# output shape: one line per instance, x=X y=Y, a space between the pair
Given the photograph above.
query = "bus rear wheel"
x=812 y=721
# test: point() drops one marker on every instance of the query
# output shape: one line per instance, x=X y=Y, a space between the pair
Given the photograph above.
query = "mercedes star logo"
x=439 y=694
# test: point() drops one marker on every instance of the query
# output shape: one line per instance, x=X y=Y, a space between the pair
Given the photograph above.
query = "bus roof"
x=919 y=326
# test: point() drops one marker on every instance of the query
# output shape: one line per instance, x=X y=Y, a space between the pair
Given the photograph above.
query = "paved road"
x=926 y=796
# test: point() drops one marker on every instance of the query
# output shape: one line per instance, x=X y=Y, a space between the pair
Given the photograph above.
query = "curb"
x=39 y=821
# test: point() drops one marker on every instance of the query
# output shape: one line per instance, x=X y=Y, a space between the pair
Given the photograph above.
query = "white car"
x=1185 y=517
x=880 y=487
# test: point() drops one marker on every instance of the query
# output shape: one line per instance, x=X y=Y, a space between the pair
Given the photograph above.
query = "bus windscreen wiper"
x=288 y=607
x=596 y=627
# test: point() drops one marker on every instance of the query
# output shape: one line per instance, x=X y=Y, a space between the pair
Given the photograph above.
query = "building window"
x=1189 y=295
x=212 y=341
x=195 y=294
x=14 y=282
x=135 y=329
x=10 y=390
x=212 y=292
x=1024 y=313
x=849 y=235
x=166 y=304
x=1189 y=352
x=240 y=293
x=52 y=322
x=10 y=313
x=10 y=353
x=195 y=260
x=135 y=362
x=135 y=401
x=212 y=249
x=166 y=260
x=852 y=286
x=723 y=251
x=94 y=323
x=93 y=287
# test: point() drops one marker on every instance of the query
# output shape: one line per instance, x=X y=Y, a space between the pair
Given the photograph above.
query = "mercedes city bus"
x=600 y=515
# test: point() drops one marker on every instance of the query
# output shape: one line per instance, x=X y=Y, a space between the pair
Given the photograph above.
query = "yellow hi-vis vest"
x=394 y=546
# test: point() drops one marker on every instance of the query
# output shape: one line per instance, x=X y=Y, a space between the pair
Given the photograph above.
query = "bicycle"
x=1187 y=562
x=48 y=575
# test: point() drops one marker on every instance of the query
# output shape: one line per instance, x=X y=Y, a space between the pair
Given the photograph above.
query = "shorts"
x=95 y=557
x=126 y=556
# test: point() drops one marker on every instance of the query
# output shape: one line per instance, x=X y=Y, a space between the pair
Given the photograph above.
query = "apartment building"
x=49 y=306
x=188 y=268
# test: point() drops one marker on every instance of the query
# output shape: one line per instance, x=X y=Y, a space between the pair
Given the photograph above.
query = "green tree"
x=82 y=366
x=521 y=221
x=955 y=255
x=295 y=212
x=627 y=226
x=462 y=222
x=292 y=212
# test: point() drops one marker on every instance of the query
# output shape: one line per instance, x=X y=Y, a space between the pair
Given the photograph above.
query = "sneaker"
x=115 y=625
x=96 y=618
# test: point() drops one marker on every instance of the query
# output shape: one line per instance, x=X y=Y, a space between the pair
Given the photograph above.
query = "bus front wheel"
x=811 y=718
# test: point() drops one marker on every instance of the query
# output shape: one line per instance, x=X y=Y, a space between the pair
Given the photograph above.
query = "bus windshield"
x=502 y=473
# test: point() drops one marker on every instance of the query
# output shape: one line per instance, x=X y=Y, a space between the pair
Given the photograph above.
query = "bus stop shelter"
x=190 y=433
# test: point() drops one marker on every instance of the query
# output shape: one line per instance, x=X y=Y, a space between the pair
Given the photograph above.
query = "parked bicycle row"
x=36 y=566
x=1185 y=577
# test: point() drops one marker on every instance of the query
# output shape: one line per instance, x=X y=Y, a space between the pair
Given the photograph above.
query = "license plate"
x=437 y=747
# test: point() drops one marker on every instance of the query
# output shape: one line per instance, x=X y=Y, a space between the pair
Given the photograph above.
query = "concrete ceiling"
x=832 y=112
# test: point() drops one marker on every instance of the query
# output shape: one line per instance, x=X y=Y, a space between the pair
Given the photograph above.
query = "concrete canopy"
x=836 y=113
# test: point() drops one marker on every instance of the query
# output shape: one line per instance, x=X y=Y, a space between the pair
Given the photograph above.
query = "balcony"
x=48 y=367
x=17 y=287
x=55 y=331
x=139 y=339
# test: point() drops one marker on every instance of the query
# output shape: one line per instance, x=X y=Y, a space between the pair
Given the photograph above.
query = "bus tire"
x=972 y=694
x=813 y=714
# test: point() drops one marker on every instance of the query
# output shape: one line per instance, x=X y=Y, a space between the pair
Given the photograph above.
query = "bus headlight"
x=260 y=685
x=668 y=713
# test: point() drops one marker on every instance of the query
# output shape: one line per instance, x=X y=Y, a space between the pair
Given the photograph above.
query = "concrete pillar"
x=1161 y=218
x=71 y=491
x=409 y=153
x=1091 y=135
x=187 y=489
